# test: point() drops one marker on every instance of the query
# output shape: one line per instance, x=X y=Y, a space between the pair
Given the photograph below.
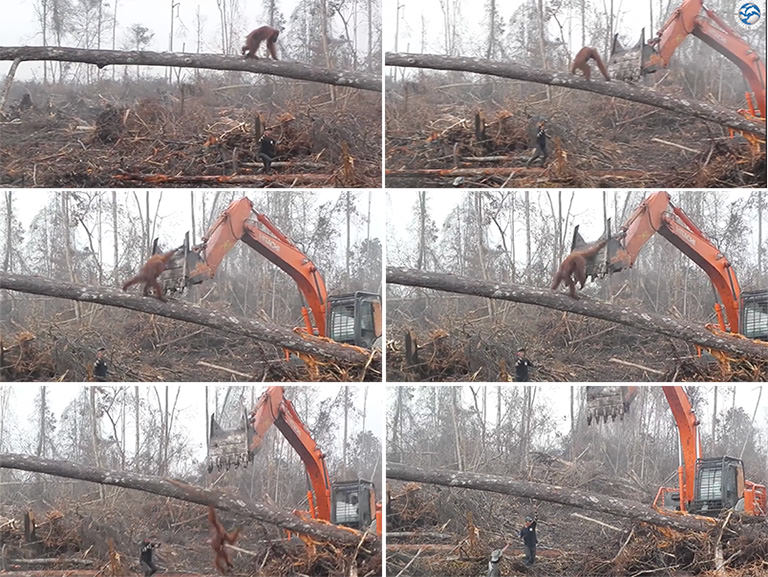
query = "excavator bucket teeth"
x=629 y=64
x=604 y=402
x=229 y=448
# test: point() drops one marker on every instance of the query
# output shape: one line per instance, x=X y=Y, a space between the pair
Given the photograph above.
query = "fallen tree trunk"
x=584 y=306
x=277 y=335
x=624 y=90
x=520 y=171
x=551 y=493
x=288 y=180
x=186 y=492
x=102 y=58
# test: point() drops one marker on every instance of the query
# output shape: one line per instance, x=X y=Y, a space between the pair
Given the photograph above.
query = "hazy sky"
x=191 y=418
x=19 y=25
x=586 y=211
x=174 y=216
x=631 y=17
x=558 y=398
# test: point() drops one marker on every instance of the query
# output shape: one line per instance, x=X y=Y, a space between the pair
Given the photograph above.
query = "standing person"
x=528 y=535
x=521 y=366
x=145 y=557
x=540 y=142
x=100 y=365
x=267 y=150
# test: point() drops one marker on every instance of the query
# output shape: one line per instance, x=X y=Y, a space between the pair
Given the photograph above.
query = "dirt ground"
x=466 y=346
x=471 y=524
x=481 y=135
x=148 y=348
x=114 y=134
x=103 y=537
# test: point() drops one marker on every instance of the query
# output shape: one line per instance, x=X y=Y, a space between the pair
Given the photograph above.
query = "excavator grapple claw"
x=629 y=64
x=606 y=401
x=228 y=449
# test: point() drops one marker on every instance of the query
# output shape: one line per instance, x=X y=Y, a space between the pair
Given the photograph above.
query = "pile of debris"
x=434 y=138
x=88 y=141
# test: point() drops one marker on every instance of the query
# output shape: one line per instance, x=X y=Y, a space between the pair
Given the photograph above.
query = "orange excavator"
x=348 y=503
x=692 y=17
x=737 y=311
x=349 y=318
x=705 y=486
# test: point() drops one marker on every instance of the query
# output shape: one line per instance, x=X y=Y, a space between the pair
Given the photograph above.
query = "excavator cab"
x=353 y=504
x=719 y=485
x=629 y=64
x=753 y=315
x=355 y=319
x=174 y=279
x=228 y=448
x=607 y=401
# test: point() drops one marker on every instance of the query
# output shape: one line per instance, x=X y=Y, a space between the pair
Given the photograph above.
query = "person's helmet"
x=528 y=519
x=495 y=555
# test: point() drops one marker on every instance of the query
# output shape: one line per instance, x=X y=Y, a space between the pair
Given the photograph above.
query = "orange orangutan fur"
x=218 y=538
x=573 y=269
x=148 y=274
x=581 y=62
x=255 y=38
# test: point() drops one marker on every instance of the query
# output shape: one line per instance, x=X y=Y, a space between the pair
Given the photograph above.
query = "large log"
x=182 y=311
x=551 y=493
x=102 y=58
x=583 y=306
x=624 y=90
x=186 y=492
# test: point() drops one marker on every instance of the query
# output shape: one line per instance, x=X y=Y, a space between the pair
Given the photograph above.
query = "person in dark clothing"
x=100 y=366
x=267 y=150
x=541 y=146
x=528 y=535
x=521 y=366
x=145 y=557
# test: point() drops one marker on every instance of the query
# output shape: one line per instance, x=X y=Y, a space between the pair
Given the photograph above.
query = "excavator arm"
x=657 y=214
x=692 y=17
x=240 y=222
x=605 y=401
x=690 y=445
x=348 y=503
x=273 y=408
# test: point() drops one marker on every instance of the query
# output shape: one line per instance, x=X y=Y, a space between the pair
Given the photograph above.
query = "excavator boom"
x=657 y=214
x=691 y=17
x=349 y=503
x=240 y=222
x=704 y=486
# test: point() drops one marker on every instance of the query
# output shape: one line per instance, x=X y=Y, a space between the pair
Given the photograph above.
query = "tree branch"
x=186 y=492
x=182 y=311
x=551 y=493
x=584 y=306
x=615 y=88
x=102 y=58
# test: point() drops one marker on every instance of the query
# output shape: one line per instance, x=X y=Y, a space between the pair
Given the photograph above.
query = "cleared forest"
x=640 y=323
x=146 y=449
x=192 y=111
x=510 y=108
x=248 y=305
x=467 y=465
